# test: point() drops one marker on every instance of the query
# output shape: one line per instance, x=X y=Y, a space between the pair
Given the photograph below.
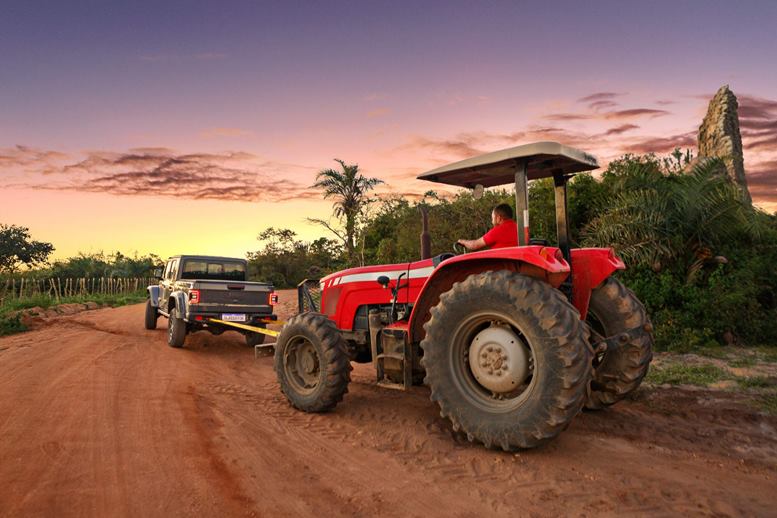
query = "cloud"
x=623 y=128
x=233 y=176
x=600 y=105
x=600 y=96
x=762 y=181
x=662 y=144
x=758 y=123
x=633 y=113
x=28 y=159
x=751 y=107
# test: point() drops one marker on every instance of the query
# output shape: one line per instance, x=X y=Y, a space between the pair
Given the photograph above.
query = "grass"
x=743 y=361
x=12 y=324
x=768 y=403
x=755 y=382
x=678 y=374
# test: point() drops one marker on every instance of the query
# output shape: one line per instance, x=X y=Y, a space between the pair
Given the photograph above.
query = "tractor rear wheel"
x=507 y=359
x=614 y=310
x=311 y=362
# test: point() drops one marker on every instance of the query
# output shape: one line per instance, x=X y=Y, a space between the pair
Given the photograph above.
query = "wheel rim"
x=488 y=390
x=302 y=365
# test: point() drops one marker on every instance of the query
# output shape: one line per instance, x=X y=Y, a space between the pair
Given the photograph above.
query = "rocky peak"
x=719 y=136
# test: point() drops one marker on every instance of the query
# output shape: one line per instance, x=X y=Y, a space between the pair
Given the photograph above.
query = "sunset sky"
x=189 y=127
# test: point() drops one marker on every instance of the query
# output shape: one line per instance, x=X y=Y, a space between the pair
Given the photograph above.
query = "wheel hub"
x=498 y=359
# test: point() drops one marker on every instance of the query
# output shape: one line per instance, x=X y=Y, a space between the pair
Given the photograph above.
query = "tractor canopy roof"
x=542 y=159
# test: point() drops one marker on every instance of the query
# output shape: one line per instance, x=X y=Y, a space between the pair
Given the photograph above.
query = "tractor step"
x=384 y=383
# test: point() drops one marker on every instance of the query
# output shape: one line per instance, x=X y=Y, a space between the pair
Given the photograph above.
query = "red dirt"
x=99 y=417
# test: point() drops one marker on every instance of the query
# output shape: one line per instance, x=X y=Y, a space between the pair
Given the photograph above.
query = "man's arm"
x=472 y=244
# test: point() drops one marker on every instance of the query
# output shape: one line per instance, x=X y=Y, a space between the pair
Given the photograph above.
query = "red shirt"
x=503 y=235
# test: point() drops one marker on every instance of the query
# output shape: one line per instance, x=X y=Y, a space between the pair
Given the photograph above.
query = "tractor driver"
x=504 y=233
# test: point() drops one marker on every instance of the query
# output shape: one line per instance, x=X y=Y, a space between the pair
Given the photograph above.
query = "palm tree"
x=348 y=188
x=672 y=220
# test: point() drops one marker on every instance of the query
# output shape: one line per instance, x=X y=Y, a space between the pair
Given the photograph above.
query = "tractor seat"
x=541 y=242
x=437 y=259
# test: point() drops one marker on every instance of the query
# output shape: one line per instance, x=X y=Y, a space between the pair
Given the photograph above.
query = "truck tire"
x=254 y=339
x=311 y=362
x=614 y=309
x=507 y=359
x=176 y=329
x=151 y=315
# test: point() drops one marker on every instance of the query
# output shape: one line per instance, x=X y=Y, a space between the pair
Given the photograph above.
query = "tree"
x=18 y=248
x=671 y=220
x=348 y=188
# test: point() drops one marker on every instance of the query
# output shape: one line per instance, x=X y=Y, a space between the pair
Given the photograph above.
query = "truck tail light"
x=273 y=298
x=194 y=297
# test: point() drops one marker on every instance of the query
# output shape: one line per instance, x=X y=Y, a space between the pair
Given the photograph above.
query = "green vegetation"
x=768 y=403
x=18 y=248
x=678 y=374
x=700 y=258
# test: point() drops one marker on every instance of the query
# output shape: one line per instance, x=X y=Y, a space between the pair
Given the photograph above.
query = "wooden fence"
x=57 y=287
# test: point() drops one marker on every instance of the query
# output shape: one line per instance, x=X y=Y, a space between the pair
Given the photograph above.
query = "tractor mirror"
x=477 y=192
x=158 y=273
x=383 y=281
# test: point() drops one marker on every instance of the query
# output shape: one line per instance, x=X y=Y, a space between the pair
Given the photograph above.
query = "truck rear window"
x=214 y=270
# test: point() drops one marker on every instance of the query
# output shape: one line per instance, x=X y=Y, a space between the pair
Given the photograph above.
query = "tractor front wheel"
x=615 y=310
x=506 y=359
x=311 y=362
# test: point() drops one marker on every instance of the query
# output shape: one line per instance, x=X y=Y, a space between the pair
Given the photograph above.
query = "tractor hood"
x=542 y=159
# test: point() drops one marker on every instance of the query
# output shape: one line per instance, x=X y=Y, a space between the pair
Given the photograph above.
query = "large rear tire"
x=311 y=362
x=494 y=318
x=615 y=309
x=176 y=330
x=151 y=315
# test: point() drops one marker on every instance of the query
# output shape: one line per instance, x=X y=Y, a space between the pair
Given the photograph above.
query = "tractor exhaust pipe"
x=426 y=241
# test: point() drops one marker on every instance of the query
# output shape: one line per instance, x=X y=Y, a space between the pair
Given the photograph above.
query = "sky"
x=189 y=127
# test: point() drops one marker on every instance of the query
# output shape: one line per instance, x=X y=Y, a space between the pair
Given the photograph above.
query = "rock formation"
x=719 y=136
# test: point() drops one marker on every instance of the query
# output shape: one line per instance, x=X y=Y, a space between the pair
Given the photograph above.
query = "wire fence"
x=58 y=288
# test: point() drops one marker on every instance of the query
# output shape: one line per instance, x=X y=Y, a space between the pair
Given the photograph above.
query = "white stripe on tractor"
x=418 y=273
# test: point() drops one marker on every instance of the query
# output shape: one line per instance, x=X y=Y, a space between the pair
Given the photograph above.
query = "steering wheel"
x=458 y=248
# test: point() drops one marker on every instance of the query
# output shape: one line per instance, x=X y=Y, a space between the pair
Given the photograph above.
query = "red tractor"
x=512 y=342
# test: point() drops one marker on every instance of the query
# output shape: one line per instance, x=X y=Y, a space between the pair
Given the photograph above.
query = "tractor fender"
x=178 y=300
x=153 y=295
x=590 y=268
x=536 y=261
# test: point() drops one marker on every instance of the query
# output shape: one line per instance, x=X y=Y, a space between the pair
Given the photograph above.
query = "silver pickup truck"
x=194 y=289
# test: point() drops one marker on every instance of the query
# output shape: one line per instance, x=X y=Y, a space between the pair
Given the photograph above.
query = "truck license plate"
x=233 y=317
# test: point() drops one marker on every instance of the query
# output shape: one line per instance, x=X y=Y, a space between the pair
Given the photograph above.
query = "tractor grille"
x=246 y=298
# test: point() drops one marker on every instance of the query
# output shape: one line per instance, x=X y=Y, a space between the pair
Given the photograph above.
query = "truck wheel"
x=151 y=315
x=614 y=309
x=176 y=330
x=311 y=362
x=507 y=359
x=254 y=339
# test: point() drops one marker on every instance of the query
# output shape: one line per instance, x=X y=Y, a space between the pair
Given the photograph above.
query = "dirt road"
x=99 y=417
